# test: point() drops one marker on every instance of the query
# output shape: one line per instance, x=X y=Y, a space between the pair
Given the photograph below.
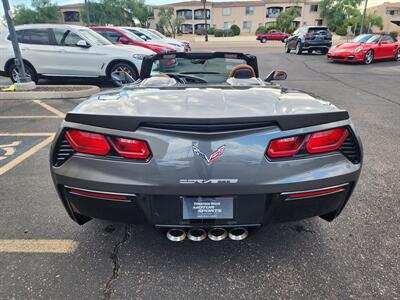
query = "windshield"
x=93 y=37
x=212 y=70
x=374 y=39
x=149 y=34
x=159 y=34
x=362 y=38
x=132 y=36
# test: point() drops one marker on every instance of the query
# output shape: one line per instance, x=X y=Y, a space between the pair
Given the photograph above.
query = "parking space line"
x=28 y=134
x=30 y=117
x=38 y=246
x=26 y=154
x=50 y=108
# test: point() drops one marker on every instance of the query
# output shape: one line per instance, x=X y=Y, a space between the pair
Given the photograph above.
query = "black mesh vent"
x=351 y=150
x=62 y=152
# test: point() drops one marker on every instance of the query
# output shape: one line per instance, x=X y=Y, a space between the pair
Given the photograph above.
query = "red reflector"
x=131 y=148
x=328 y=140
x=285 y=147
x=315 y=193
x=87 y=142
x=98 y=195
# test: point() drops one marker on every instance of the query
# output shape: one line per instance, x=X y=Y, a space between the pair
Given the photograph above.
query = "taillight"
x=328 y=140
x=308 y=36
x=131 y=148
x=285 y=147
x=87 y=142
x=317 y=142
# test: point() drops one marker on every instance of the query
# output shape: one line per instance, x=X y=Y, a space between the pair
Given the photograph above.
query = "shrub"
x=219 y=33
x=229 y=32
x=235 y=29
x=394 y=34
x=341 y=30
x=291 y=29
x=168 y=34
x=270 y=27
x=261 y=30
x=180 y=33
x=212 y=30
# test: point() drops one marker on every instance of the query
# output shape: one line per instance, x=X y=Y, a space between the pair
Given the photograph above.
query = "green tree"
x=337 y=12
x=168 y=21
x=42 y=11
x=285 y=19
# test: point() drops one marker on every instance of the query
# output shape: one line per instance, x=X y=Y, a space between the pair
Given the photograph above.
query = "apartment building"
x=390 y=13
x=248 y=15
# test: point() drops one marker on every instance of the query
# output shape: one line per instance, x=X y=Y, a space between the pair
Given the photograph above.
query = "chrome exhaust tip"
x=217 y=234
x=196 y=234
x=176 y=235
x=238 y=234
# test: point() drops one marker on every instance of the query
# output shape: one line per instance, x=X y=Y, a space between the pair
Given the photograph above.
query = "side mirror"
x=82 y=44
x=124 y=40
x=276 y=75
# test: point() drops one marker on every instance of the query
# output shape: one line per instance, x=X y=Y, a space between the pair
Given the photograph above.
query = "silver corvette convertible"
x=201 y=147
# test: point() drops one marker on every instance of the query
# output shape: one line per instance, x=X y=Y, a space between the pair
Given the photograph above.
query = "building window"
x=392 y=12
x=199 y=14
x=247 y=25
x=249 y=10
x=71 y=16
x=273 y=12
x=227 y=25
x=314 y=7
x=185 y=13
x=186 y=28
x=318 y=22
x=226 y=11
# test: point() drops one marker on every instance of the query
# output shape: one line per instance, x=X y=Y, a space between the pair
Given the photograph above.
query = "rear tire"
x=397 y=56
x=324 y=51
x=287 y=49
x=126 y=67
x=13 y=73
x=263 y=40
x=299 y=50
x=369 y=57
x=310 y=51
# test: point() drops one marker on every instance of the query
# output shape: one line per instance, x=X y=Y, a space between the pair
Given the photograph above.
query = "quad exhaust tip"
x=238 y=234
x=217 y=234
x=197 y=234
x=176 y=235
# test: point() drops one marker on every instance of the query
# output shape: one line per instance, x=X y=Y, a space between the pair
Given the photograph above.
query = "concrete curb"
x=81 y=93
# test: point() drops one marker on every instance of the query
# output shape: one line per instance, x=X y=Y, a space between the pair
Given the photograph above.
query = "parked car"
x=51 y=50
x=118 y=35
x=309 y=38
x=157 y=37
x=205 y=147
x=273 y=35
x=366 y=48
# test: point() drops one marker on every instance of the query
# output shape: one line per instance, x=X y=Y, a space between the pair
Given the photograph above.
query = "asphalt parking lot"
x=43 y=254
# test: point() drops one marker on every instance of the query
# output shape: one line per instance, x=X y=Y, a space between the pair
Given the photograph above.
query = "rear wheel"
x=299 y=50
x=15 y=74
x=324 y=51
x=369 y=57
x=397 y=56
x=287 y=49
x=263 y=40
x=309 y=51
x=122 y=68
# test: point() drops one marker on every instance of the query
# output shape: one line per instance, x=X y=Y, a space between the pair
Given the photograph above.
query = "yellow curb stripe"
x=28 y=134
x=30 y=117
x=25 y=155
x=37 y=246
x=50 y=108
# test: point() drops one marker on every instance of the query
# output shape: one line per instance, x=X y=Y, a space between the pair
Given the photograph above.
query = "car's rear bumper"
x=165 y=210
x=316 y=45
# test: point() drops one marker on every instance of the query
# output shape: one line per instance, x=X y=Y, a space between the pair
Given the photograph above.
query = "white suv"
x=68 y=51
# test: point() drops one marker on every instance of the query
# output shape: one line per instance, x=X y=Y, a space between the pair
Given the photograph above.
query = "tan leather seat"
x=242 y=71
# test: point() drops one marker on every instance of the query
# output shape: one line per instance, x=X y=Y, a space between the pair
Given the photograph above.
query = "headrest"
x=242 y=72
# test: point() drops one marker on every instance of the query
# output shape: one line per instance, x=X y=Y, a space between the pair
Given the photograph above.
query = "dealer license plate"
x=207 y=208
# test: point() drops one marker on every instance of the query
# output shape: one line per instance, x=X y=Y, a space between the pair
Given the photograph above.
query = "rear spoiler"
x=132 y=123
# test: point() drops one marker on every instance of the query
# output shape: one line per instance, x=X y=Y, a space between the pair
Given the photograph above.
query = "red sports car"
x=366 y=48
x=122 y=36
x=274 y=34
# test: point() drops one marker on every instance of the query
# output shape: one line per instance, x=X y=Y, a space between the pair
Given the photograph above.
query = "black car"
x=310 y=38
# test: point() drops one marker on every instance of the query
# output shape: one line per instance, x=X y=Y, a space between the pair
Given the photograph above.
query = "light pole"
x=363 y=17
x=205 y=19
x=13 y=37
x=87 y=12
